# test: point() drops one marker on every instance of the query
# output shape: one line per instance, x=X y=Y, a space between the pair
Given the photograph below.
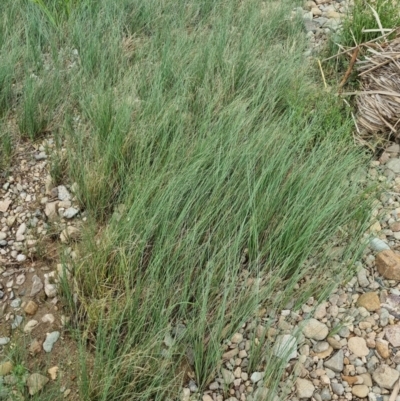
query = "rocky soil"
x=34 y=216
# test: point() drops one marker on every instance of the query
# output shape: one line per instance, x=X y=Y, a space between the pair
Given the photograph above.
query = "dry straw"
x=378 y=101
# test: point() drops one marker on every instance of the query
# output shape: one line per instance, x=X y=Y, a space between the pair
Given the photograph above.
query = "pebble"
x=304 y=388
x=370 y=301
x=16 y=303
x=314 y=329
x=17 y=321
x=4 y=340
x=51 y=339
x=36 y=382
x=285 y=347
x=63 y=194
x=35 y=347
x=6 y=368
x=37 y=285
x=378 y=245
x=70 y=234
x=360 y=390
x=394 y=165
x=257 y=376
x=382 y=347
x=392 y=334
x=48 y=318
x=336 y=363
x=21 y=258
x=358 y=346
x=70 y=213
x=388 y=264
x=30 y=326
x=31 y=308
x=49 y=288
x=337 y=388
x=385 y=376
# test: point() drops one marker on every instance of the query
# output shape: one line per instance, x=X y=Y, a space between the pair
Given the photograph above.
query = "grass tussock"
x=211 y=166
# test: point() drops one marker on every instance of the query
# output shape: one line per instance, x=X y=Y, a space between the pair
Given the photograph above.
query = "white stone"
x=285 y=347
x=304 y=388
x=314 y=329
x=256 y=376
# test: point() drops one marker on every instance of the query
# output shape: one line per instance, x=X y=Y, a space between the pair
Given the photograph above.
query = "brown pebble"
x=370 y=301
x=388 y=264
x=35 y=347
x=31 y=308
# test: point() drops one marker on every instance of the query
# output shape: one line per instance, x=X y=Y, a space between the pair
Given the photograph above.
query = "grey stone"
x=40 y=156
x=228 y=376
x=336 y=362
x=383 y=317
x=337 y=388
x=4 y=340
x=16 y=303
x=21 y=258
x=378 y=245
x=394 y=165
x=257 y=376
x=362 y=278
x=37 y=285
x=314 y=329
x=70 y=213
x=320 y=21
x=304 y=388
x=285 y=347
x=384 y=376
x=321 y=346
x=311 y=26
x=326 y=394
x=344 y=332
x=17 y=321
x=36 y=382
x=333 y=24
x=51 y=339
x=63 y=193
x=193 y=387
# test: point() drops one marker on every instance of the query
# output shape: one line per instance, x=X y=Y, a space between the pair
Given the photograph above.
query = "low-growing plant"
x=56 y=11
x=362 y=17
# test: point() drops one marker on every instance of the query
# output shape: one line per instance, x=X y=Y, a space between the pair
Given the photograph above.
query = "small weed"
x=362 y=17
x=56 y=11
x=32 y=119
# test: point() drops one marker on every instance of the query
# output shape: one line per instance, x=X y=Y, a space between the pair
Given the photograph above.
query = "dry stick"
x=375 y=30
x=379 y=65
x=371 y=92
x=395 y=391
x=350 y=68
x=322 y=73
x=361 y=44
x=377 y=18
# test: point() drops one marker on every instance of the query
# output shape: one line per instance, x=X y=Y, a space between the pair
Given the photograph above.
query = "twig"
x=371 y=92
x=350 y=68
x=395 y=391
x=377 y=18
x=379 y=65
x=361 y=44
x=375 y=30
x=322 y=73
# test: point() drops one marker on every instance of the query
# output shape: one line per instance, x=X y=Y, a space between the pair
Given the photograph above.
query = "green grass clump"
x=196 y=134
x=362 y=17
